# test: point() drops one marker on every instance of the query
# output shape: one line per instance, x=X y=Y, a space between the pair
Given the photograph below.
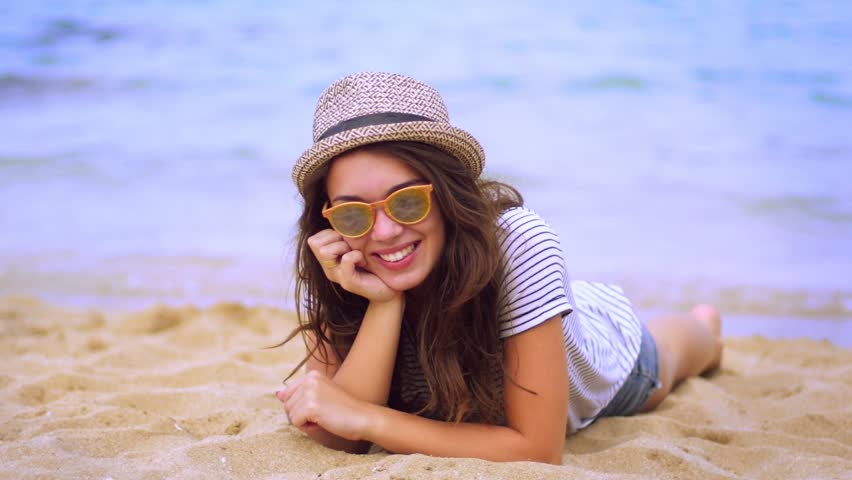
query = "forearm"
x=367 y=370
x=400 y=432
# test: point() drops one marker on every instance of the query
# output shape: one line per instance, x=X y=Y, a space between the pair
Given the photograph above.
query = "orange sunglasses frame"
x=327 y=212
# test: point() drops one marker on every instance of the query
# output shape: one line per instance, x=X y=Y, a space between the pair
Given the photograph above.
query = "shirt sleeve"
x=535 y=285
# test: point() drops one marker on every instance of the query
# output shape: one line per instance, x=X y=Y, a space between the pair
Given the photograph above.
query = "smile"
x=398 y=255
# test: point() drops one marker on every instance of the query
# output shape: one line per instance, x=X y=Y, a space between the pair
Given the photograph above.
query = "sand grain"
x=188 y=393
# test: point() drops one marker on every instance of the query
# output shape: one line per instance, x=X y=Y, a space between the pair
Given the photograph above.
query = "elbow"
x=534 y=456
x=530 y=451
x=552 y=458
x=545 y=452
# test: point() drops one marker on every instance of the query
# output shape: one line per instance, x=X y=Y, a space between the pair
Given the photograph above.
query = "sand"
x=188 y=393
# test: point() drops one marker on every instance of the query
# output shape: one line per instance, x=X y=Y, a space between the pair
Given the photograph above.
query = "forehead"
x=367 y=174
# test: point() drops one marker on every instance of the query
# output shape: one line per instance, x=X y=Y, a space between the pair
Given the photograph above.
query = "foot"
x=710 y=318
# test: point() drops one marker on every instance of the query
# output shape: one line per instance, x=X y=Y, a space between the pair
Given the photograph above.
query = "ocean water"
x=690 y=151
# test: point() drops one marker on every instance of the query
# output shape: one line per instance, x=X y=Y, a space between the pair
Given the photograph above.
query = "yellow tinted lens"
x=409 y=205
x=352 y=220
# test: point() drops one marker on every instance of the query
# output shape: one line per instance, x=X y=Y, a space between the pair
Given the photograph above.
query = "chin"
x=405 y=281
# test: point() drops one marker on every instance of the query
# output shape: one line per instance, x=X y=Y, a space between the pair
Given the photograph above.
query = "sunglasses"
x=407 y=206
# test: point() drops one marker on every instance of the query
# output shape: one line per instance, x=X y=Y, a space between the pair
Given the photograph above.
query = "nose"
x=384 y=227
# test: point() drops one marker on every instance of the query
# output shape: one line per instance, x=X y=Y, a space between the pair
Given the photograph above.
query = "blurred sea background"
x=690 y=151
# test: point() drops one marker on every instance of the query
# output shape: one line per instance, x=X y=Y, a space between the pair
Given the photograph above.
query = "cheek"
x=436 y=233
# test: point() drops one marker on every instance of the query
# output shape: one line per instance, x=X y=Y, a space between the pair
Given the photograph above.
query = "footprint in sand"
x=156 y=320
x=215 y=424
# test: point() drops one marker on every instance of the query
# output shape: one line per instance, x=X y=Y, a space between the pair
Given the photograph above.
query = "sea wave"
x=15 y=84
x=831 y=99
x=203 y=280
x=822 y=207
x=56 y=31
x=610 y=82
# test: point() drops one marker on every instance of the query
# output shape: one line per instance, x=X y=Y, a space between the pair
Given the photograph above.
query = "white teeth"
x=398 y=255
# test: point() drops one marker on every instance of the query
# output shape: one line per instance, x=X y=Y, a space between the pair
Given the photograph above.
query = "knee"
x=705 y=310
x=709 y=315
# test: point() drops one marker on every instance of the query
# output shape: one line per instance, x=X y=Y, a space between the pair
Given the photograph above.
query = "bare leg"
x=688 y=345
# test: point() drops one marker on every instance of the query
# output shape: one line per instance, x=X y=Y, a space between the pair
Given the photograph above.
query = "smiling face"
x=402 y=256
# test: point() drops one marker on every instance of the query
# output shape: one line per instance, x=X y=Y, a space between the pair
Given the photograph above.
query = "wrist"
x=395 y=303
x=372 y=421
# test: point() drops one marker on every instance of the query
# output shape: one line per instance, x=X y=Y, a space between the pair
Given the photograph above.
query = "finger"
x=289 y=389
x=323 y=237
x=347 y=277
x=326 y=235
x=329 y=257
x=309 y=427
x=360 y=260
x=332 y=251
x=290 y=409
x=352 y=259
x=328 y=263
x=301 y=409
x=284 y=397
x=297 y=417
x=307 y=392
x=295 y=399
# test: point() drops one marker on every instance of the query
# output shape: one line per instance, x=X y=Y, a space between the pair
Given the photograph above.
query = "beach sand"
x=188 y=393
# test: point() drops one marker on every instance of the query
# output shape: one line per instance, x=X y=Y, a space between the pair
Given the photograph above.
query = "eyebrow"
x=355 y=198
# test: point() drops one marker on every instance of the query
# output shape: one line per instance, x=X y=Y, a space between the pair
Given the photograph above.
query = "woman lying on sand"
x=437 y=309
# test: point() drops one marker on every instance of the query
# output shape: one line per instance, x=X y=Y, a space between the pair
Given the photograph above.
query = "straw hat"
x=377 y=107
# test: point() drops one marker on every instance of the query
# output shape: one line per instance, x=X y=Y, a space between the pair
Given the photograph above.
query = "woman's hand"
x=314 y=400
x=345 y=266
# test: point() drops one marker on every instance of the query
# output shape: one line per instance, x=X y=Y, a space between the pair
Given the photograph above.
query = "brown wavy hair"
x=456 y=323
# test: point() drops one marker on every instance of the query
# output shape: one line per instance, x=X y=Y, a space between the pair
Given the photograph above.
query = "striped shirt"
x=601 y=333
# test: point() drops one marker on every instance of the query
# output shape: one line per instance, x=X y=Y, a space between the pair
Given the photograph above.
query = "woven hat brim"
x=452 y=140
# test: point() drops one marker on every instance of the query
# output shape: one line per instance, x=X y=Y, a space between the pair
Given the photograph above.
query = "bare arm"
x=536 y=423
x=367 y=367
x=367 y=370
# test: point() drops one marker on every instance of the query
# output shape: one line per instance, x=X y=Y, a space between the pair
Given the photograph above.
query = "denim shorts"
x=640 y=384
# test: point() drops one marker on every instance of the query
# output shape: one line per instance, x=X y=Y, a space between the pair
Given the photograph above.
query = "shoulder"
x=520 y=219
x=535 y=283
x=524 y=233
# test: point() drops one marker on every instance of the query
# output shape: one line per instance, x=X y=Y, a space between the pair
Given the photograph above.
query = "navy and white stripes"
x=534 y=290
x=602 y=334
